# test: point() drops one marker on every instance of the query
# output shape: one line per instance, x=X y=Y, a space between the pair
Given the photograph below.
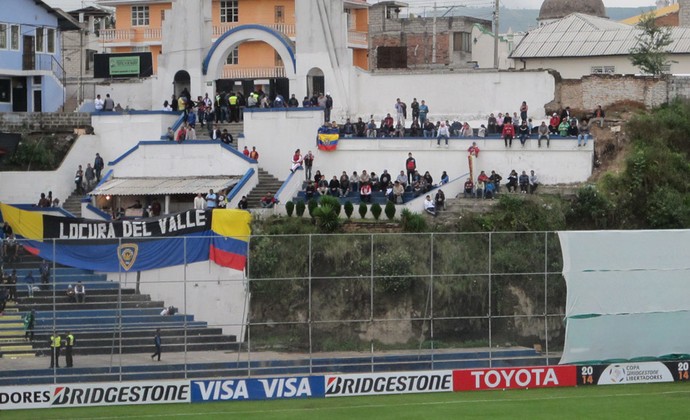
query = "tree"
x=649 y=55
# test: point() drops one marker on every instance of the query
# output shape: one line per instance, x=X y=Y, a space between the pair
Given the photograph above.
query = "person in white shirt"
x=98 y=103
x=429 y=206
x=80 y=292
x=199 y=202
x=533 y=182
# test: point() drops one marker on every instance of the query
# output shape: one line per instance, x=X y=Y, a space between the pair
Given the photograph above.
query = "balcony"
x=123 y=37
x=287 y=29
x=357 y=39
x=253 y=72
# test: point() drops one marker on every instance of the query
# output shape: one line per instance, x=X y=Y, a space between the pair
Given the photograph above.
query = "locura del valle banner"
x=218 y=235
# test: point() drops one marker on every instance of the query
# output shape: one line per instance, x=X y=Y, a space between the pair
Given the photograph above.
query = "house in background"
x=31 y=70
x=139 y=28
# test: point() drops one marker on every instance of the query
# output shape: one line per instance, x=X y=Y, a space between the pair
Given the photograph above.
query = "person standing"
x=328 y=107
x=415 y=109
x=69 y=344
x=29 y=322
x=308 y=164
x=254 y=154
x=78 y=179
x=90 y=176
x=411 y=166
x=423 y=112
x=211 y=200
x=199 y=202
x=55 y=342
x=98 y=166
x=157 y=344
x=80 y=292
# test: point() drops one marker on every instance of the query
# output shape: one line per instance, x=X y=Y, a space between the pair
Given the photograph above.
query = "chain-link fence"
x=306 y=304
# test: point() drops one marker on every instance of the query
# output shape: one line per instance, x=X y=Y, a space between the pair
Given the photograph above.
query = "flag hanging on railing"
x=327 y=138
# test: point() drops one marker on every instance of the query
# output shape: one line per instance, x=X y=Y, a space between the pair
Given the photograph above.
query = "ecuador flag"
x=328 y=138
x=144 y=244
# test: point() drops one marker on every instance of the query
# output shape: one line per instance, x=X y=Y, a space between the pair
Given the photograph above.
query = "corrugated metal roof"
x=164 y=186
x=579 y=35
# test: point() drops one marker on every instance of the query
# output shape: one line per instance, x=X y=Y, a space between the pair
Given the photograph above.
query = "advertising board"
x=257 y=389
x=633 y=373
x=514 y=378
x=389 y=383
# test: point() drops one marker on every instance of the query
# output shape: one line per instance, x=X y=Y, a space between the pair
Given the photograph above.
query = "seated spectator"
x=429 y=180
x=371 y=129
x=388 y=125
x=481 y=132
x=365 y=192
x=169 y=311
x=80 y=292
x=440 y=200
x=268 y=201
x=554 y=122
x=466 y=130
x=243 y=204
x=310 y=191
x=499 y=123
x=524 y=132
x=444 y=178
x=317 y=177
x=496 y=180
x=10 y=248
x=443 y=133
x=543 y=133
x=564 y=128
x=374 y=181
x=43 y=201
x=360 y=128
x=323 y=186
x=71 y=297
x=533 y=182
x=334 y=187
x=573 y=130
x=583 y=132
x=181 y=134
x=399 y=131
x=296 y=161
x=385 y=179
x=429 y=206
x=468 y=189
x=524 y=182
x=419 y=186
x=415 y=129
x=3 y=298
x=456 y=129
x=491 y=124
x=402 y=179
x=344 y=184
x=348 y=130
x=489 y=190
x=512 y=181
x=429 y=130
x=398 y=192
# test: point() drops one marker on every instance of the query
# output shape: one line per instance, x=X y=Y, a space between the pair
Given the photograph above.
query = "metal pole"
x=433 y=39
x=546 y=294
x=431 y=298
x=309 y=315
x=490 y=342
x=184 y=302
x=496 y=35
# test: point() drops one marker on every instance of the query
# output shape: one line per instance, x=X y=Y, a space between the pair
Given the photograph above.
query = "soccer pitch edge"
x=663 y=400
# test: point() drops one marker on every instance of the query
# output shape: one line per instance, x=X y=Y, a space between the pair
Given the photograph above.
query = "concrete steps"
x=267 y=183
x=73 y=204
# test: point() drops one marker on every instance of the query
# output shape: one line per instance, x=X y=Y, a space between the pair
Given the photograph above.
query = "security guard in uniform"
x=55 y=342
x=69 y=343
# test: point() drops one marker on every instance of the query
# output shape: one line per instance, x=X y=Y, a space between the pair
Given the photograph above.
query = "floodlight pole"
x=496 y=35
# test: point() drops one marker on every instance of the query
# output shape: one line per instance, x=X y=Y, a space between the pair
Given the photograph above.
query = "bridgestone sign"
x=389 y=383
x=97 y=394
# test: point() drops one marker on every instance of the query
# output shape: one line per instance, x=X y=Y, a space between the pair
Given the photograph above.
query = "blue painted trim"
x=99 y=212
x=127 y=153
x=133 y=112
x=287 y=180
x=276 y=34
x=311 y=108
x=178 y=122
x=241 y=183
x=86 y=199
x=105 y=178
x=176 y=144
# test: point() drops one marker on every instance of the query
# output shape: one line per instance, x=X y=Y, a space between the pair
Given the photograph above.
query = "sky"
x=513 y=4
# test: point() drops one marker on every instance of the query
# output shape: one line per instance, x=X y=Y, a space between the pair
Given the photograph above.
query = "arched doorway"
x=181 y=81
x=316 y=83
x=217 y=57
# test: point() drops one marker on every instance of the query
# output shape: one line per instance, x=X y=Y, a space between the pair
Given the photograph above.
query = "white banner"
x=94 y=394
x=635 y=373
x=389 y=383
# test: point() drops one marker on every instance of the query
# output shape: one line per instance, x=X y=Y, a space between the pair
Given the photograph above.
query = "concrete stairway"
x=233 y=128
x=267 y=183
x=73 y=204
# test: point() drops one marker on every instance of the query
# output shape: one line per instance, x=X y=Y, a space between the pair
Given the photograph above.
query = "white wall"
x=575 y=68
x=213 y=294
x=133 y=94
x=114 y=134
x=468 y=94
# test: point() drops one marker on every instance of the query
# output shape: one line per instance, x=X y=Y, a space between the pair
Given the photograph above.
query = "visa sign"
x=257 y=389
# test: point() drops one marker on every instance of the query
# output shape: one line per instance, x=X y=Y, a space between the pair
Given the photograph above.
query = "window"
x=228 y=11
x=603 y=70
x=3 y=36
x=40 y=40
x=280 y=14
x=162 y=15
x=140 y=15
x=462 y=42
x=51 y=40
x=234 y=56
x=14 y=37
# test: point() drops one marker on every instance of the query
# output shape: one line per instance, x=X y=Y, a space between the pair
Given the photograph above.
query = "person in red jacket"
x=508 y=134
x=554 y=122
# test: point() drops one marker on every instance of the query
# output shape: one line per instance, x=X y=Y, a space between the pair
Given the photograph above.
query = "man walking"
x=55 y=342
x=98 y=166
x=157 y=343
x=69 y=343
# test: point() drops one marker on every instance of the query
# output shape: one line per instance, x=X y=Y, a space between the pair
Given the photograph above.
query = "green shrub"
x=327 y=220
x=376 y=210
x=299 y=208
x=349 y=209
x=289 y=208
x=362 y=210
x=390 y=210
x=333 y=202
x=412 y=222
x=312 y=205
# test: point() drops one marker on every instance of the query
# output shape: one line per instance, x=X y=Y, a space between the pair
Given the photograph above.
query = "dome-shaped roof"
x=557 y=9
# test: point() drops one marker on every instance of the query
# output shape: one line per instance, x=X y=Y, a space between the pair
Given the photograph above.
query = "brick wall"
x=37 y=121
